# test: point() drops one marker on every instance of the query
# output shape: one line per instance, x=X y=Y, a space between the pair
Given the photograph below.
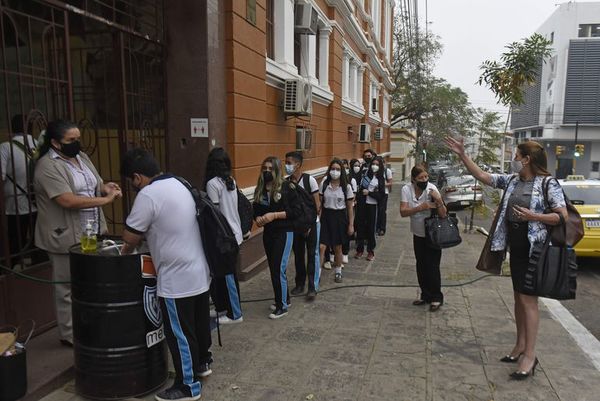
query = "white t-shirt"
x=354 y=185
x=165 y=213
x=388 y=176
x=417 y=221
x=18 y=174
x=228 y=204
x=373 y=187
x=334 y=198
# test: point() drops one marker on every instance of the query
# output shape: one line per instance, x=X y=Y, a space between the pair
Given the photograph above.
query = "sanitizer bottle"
x=88 y=239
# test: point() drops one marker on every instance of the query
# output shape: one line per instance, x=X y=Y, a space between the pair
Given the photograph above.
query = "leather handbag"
x=442 y=232
x=552 y=270
x=574 y=231
x=491 y=261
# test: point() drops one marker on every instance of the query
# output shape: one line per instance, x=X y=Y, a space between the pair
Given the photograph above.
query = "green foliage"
x=517 y=68
x=488 y=127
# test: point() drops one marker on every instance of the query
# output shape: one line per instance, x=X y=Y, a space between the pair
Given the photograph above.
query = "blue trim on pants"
x=187 y=365
x=234 y=299
x=289 y=242
x=318 y=257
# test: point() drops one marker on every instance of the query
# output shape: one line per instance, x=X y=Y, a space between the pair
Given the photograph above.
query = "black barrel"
x=13 y=376
x=119 y=344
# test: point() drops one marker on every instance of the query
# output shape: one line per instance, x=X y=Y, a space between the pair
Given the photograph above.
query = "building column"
x=308 y=58
x=359 y=85
x=345 y=74
x=352 y=79
x=324 y=33
x=283 y=16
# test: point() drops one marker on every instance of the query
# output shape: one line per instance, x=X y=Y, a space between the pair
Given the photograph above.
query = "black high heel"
x=519 y=375
x=510 y=359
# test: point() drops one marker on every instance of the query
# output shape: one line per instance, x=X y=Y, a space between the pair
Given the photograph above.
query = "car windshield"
x=461 y=180
x=583 y=194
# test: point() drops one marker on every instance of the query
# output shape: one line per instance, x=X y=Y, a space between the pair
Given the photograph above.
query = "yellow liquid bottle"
x=89 y=242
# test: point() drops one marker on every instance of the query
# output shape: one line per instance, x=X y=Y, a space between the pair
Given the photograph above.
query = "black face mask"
x=70 y=149
x=267 y=176
x=422 y=185
x=368 y=159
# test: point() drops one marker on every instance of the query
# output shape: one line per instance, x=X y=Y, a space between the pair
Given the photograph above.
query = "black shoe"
x=311 y=295
x=176 y=393
x=278 y=313
x=299 y=289
x=204 y=370
x=510 y=359
x=418 y=302
x=520 y=375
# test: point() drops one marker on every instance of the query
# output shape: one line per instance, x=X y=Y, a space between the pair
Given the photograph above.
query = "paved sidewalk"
x=370 y=343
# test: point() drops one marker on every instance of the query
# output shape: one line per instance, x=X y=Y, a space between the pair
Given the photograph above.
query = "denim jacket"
x=536 y=231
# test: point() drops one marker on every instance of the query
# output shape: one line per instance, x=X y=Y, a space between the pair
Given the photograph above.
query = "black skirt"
x=334 y=227
x=519 y=253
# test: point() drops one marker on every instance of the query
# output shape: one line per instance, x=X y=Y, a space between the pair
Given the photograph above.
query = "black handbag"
x=552 y=270
x=442 y=232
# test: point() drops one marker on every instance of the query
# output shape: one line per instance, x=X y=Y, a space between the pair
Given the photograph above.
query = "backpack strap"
x=306 y=183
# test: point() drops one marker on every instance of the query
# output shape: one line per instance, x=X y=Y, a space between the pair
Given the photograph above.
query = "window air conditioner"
x=303 y=139
x=378 y=134
x=306 y=18
x=365 y=133
x=298 y=97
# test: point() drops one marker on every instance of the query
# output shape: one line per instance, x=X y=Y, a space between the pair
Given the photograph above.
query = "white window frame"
x=352 y=83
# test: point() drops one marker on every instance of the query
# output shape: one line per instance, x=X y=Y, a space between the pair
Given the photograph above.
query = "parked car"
x=585 y=196
x=461 y=192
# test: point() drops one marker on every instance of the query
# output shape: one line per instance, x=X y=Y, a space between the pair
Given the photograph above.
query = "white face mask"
x=516 y=166
x=335 y=174
x=289 y=168
x=375 y=168
x=356 y=169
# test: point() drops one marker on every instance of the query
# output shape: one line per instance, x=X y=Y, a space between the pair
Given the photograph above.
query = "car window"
x=461 y=180
x=583 y=194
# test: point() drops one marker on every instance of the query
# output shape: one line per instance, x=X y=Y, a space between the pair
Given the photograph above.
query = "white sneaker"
x=226 y=320
x=213 y=313
x=272 y=307
x=327 y=265
x=344 y=258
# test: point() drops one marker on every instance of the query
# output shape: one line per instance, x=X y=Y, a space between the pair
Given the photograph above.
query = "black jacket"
x=288 y=203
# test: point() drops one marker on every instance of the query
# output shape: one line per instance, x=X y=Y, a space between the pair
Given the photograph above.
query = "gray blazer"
x=57 y=228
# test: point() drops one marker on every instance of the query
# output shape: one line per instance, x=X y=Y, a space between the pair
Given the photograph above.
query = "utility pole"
x=575 y=154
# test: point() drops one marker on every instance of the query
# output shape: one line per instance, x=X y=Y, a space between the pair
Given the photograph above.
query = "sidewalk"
x=370 y=343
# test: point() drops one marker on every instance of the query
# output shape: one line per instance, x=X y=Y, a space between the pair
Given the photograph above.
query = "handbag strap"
x=563 y=223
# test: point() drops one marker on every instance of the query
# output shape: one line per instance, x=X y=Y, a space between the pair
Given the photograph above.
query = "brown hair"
x=537 y=157
x=416 y=170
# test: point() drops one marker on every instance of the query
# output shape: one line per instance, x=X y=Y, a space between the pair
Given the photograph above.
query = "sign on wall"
x=199 y=127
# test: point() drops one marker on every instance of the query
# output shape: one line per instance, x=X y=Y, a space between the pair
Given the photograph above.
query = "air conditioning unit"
x=298 y=97
x=364 y=134
x=378 y=134
x=306 y=18
x=303 y=138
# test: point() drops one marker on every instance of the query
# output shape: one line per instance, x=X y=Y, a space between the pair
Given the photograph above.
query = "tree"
x=490 y=136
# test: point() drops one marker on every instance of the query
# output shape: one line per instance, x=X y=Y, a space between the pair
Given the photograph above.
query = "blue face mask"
x=289 y=168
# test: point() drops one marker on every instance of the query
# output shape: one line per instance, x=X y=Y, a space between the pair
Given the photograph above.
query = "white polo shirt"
x=228 y=204
x=333 y=198
x=373 y=187
x=417 y=221
x=388 y=176
x=165 y=213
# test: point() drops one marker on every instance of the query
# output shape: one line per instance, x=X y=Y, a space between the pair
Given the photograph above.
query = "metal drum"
x=119 y=344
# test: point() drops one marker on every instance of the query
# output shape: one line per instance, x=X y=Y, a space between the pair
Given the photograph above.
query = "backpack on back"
x=246 y=213
x=307 y=219
x=219 y=242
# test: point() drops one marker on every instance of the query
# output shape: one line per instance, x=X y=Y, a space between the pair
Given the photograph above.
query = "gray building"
x=562 y=109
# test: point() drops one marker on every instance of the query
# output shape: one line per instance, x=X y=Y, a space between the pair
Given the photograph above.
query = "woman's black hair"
x=354 y=175
x=379 y=174
x=344 y=180
x=55 y=130
x=218 y=164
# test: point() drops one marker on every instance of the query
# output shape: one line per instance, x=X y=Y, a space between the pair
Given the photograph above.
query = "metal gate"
x=99 y=63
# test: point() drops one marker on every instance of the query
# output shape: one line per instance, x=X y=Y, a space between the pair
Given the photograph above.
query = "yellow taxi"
x=585 y=196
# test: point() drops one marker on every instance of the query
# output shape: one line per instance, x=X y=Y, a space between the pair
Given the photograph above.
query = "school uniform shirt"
x=14 y=163
x=388 y=176
x=228 y=204
x=165 y=213
x=417 y=221
x=354 y=185
x=373 y=187
x=333 y=198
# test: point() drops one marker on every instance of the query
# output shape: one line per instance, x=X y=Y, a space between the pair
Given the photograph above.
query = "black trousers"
x=187 y=330
x=307 y=257
x=20 y=229
x=519 y=253
x=382 y=213
x=428 y=270
x=278 y=247
x=366 y=229
x=225 y=293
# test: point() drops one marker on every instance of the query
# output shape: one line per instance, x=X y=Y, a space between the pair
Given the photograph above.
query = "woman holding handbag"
x=416 y=201
x=521 y=224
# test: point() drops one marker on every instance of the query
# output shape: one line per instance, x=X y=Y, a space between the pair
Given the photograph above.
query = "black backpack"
x=219 y=242
x=308 y=217
x=246 y=212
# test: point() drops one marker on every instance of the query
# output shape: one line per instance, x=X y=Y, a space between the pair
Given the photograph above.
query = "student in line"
x=337 y=215
x=309 y=245
x=382 y=211
x=353 y=184
x=222 y=191
x=276 y=205
x=371 y=190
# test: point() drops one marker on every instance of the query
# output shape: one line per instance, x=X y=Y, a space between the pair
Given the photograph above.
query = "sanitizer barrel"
x=119 y=345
